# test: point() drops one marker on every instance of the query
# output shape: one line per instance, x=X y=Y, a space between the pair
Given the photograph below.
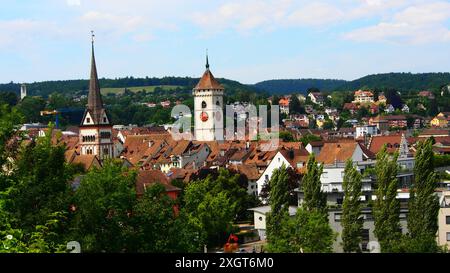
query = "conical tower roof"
x=208 y=81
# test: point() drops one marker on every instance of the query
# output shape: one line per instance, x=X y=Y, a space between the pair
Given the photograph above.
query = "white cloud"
x=316 y=14
x=416 y=24
x=73 y=2
x=22 y=31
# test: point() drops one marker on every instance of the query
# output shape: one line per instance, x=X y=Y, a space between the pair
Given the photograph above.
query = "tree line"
x=46 y=202
x=309 y=230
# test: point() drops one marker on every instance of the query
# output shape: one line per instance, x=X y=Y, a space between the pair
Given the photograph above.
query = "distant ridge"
x=299 y=85
x=398 y=81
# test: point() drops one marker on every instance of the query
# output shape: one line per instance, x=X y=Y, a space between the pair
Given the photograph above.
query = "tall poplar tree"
x=352 y=222
x=423 y=203
x=386 y=208
x=314 y=198
x=278 y=218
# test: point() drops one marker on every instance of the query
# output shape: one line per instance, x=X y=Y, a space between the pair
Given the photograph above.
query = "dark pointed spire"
x=94 y=97
x=207 y=62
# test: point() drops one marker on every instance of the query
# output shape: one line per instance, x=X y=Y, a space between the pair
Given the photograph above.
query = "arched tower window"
x=203 y=104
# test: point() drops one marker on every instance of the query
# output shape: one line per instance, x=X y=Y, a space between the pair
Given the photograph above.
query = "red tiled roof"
x=336 y=152
x=377 y=142
x=250 y=171
x=146 y=178
x=88 y=161
x=208 y=82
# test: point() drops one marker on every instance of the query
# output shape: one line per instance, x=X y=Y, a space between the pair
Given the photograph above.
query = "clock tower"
x=208 y=105
x=95 y=128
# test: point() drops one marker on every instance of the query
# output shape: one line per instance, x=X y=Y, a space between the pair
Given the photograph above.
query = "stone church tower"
x=208 y=105
x=95 y=128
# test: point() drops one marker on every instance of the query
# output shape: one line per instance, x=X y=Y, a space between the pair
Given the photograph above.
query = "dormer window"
x=104 y=120
x=88 y=120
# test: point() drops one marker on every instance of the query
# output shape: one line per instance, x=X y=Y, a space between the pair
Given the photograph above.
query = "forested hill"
x=397 y=81
x=73 y=87
x=400 y=81
x=299 y=85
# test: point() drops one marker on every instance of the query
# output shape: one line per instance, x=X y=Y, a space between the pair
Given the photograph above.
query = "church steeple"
x=207 y=62
x=94 y=98
x=95 y=128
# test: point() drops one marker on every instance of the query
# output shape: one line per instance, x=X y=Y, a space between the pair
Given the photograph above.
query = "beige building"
x=363 y=97
x=444 y=220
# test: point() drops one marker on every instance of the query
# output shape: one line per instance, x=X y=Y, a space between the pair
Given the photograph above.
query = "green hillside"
x=121 y=90
x=402 y=82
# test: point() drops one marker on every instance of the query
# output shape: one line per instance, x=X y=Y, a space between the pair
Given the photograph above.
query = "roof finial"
x=92 y=36
x=207 y=62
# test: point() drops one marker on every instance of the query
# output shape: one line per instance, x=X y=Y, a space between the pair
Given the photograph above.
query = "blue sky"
x=248 y=40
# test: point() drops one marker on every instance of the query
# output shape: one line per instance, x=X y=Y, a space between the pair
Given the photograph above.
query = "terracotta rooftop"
x=146 y=178
x=294 y=156
x=250 y=171
x=88 y=161
x=392 y=141
x=208 y=81
x=336 y=152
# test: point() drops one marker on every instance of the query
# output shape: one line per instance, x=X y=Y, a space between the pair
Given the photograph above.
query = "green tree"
x=40 y=186
x=352 y=221
x=278 y=218
x=311 y=232
x=9 y=119
x=30 y=107
x=386 y=208
x=314 y=198
x=42 y=239
x=306 y=139
x=104 y=202
x=9 y=98
x=295 y=107
x=423 y=203
x=213 y=204
x=286 y=136
x=152 y=221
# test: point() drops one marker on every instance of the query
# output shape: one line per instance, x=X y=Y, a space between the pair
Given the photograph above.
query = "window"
x=217 y=103
x=447 y=220
x=260 y=218
x=104 y=120
x=88 y=120
x=448 y=236
x=203 y=104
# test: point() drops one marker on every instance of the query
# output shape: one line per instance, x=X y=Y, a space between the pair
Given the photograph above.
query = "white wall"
x=276 y=163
